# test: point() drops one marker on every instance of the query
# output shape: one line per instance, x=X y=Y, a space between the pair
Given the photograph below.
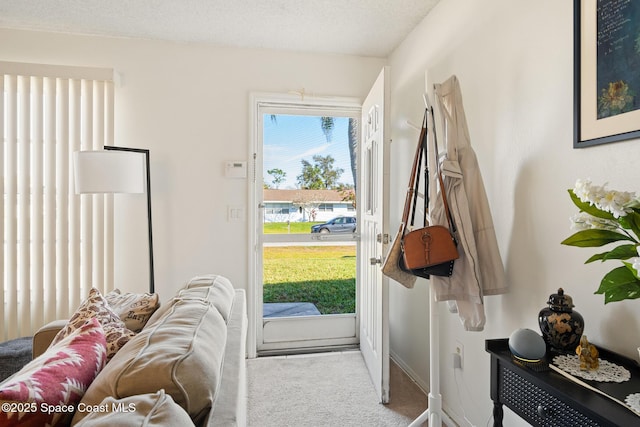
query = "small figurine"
x=588 y=354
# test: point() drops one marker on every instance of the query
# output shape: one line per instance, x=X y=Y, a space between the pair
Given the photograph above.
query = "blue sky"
x=290 y=139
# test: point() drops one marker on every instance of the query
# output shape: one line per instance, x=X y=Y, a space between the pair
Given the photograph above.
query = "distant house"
x=306 y=205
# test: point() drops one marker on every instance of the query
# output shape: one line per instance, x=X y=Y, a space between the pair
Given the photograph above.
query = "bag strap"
x=423 y=155
x=425 y=207
x=452 y=224
x=412 y=190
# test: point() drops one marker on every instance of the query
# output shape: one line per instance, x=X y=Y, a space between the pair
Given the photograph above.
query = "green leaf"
x=589 y=208
x=594 y=237
x=621 y=252
x=619 y=284
x=597 y=257
x=633 y=218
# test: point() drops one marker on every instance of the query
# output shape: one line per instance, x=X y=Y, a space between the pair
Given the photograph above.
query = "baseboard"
x=424 y=386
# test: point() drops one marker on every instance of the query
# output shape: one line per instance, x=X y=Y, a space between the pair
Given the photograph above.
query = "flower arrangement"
x=605 y=217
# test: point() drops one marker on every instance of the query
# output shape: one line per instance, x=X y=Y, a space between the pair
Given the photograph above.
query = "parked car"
x=341 y=224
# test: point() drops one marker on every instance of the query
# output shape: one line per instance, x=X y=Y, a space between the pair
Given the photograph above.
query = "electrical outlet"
x=457 y=361
x=458 y=357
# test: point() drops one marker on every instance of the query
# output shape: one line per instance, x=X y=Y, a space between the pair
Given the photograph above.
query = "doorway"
x=306 y=331
x=305 y=224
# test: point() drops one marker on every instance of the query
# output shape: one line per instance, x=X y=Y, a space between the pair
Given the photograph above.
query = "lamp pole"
x=146 y=156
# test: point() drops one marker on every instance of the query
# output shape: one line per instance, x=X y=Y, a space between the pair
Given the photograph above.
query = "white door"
x=373 y=214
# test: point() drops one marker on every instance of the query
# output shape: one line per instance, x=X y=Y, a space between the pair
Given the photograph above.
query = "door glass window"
x=309 y=187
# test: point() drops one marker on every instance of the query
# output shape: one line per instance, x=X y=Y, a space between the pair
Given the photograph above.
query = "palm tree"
x=327 y=124
x=353 y=149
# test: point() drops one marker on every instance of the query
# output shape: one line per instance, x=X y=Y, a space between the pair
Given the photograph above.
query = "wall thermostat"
x=236 y=170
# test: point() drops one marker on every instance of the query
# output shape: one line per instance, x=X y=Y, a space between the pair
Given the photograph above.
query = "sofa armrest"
x=230 y=407
x=43 y=336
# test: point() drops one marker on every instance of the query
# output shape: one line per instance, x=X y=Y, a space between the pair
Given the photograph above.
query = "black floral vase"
x=561 y=326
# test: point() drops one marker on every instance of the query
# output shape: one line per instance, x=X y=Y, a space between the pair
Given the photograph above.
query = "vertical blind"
x=57 y=244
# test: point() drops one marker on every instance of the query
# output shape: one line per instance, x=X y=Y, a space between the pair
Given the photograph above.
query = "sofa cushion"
x=144 y=410
x=215 y=289
x=59 y=376
x=96 y=306
x=182 y=353
x=134 y=309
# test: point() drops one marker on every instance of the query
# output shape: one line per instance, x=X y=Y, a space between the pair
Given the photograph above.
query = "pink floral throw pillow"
x=96 y=306
x=45 y=391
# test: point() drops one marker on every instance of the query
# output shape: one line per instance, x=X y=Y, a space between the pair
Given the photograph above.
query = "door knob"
x=375 y=261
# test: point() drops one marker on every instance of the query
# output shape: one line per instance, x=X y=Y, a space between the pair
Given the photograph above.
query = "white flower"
x=581 y=189
x=587 y=192
x=613 y=202
x=580 y=221
x=584 y=221
x=636 y=265
x=607 y=201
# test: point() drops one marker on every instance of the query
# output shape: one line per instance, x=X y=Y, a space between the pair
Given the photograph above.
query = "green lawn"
x=292 y=228
x=322 y=275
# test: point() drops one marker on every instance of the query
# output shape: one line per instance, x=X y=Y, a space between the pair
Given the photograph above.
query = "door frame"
x=256 y=101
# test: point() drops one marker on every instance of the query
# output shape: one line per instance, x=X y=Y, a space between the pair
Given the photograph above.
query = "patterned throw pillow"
x=134 y=309
x=96 y=306
x=46 y=390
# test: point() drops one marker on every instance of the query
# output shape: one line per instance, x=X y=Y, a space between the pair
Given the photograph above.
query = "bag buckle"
x=426 y=240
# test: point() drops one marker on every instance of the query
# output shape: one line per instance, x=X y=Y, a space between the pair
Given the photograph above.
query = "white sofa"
x=187 y=366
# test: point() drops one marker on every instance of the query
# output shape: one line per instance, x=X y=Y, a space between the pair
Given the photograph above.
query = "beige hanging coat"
x=479 y=270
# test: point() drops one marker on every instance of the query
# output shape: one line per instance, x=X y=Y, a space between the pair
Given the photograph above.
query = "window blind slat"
x=24 y=217
x=73 y=288
x=109 y=262
x=36 y=304
x=10 y=221
x=60 y=133
x=97 y=233
x=53 y=249
x=86 y=209
x=11 y=191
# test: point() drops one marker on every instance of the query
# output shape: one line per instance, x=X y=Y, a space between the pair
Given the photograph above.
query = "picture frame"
x=606 y=71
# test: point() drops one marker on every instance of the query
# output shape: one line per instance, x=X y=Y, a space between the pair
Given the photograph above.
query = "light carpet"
x=331 y=389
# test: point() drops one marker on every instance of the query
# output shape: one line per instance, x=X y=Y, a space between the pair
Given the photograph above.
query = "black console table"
x=543 y=397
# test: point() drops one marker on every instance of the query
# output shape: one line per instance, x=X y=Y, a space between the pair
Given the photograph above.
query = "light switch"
x=235 y=213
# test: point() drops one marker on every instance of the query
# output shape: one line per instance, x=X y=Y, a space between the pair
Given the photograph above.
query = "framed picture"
x=606 y=71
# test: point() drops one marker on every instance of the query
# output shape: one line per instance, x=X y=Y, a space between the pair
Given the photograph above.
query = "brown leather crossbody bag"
x=432 y=249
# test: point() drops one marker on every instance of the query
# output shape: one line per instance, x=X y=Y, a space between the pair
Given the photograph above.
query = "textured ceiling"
x=357 y=27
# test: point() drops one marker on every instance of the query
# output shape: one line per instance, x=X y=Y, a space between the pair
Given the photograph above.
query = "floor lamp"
x=116 y=170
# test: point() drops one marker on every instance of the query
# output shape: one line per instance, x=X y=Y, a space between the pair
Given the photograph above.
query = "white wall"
x=189 y=104
x=514 y=60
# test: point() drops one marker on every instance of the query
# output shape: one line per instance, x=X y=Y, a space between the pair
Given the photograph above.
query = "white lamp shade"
x=109 y=171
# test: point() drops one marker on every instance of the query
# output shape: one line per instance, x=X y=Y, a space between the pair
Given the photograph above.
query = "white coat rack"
x=434 y=413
